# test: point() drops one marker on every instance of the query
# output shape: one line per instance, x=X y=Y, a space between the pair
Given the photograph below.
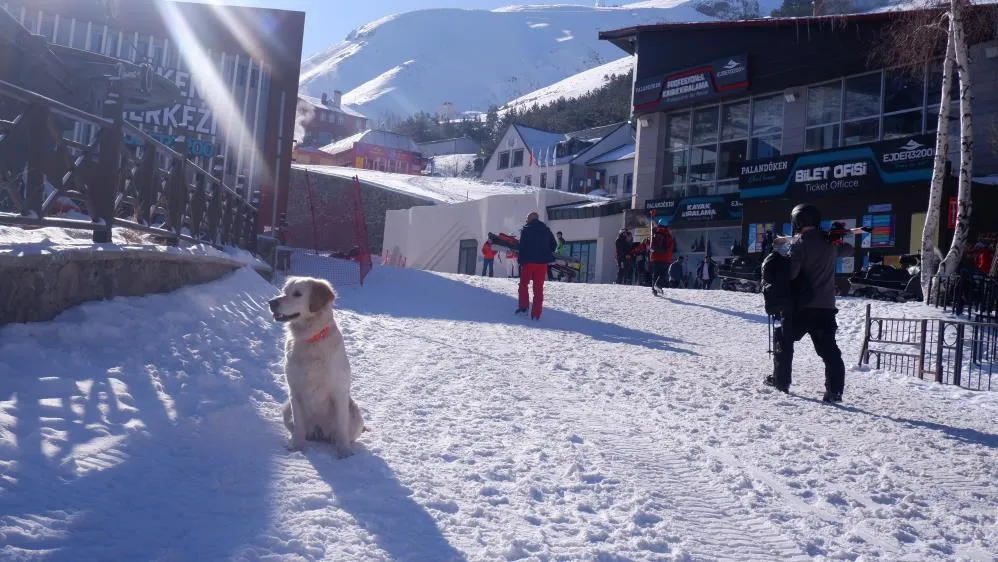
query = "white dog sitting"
x=316 y=367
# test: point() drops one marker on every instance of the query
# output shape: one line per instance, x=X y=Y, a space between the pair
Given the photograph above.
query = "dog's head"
x=302 y=298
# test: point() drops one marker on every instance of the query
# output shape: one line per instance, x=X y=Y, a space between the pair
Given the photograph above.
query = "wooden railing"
x=141 y=184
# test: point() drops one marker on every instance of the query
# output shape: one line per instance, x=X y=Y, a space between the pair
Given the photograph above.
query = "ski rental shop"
x=780 y=111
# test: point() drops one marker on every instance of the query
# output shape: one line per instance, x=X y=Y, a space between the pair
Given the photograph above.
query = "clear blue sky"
x=329 y=21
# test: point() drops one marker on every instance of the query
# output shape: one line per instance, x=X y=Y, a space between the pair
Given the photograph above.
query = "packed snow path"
x=620 y=427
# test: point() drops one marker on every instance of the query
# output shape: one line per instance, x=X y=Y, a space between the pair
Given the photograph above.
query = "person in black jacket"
x=812 y=268
x=623 y=247
x=535 y=252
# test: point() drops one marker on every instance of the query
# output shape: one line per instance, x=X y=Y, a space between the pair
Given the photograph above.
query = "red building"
x=324 y=120
x=373 y=150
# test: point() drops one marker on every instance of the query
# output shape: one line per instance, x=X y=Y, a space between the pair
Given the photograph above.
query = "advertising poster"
x=695 y=84
x=882 y=235
x=757 y=234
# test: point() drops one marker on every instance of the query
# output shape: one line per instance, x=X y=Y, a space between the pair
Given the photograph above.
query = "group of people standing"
x=651 y=262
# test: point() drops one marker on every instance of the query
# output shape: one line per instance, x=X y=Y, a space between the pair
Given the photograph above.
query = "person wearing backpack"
x=806 y=306
x=535 y=251
x=662 y=245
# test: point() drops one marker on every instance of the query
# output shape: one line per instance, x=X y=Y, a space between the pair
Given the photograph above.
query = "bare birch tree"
x=929 y=256
x=958 y=39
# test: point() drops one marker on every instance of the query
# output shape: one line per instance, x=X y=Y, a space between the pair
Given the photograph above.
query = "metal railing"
x=141 y=184
x=972 y=296
x=953 y=352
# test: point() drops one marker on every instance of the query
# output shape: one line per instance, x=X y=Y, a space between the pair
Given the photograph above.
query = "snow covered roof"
x=594 y=134
x=537 y=140
x=430 y=188
x=386 y=139
x=345 y=109
x=624 y=152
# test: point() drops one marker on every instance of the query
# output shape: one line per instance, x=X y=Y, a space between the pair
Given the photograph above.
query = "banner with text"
x=695 y=210
x=692 y=84
x=840 y=171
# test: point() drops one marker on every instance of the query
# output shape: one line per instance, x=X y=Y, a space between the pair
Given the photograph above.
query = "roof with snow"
x=624 y=152
x=376 y=137
x=594 y=134
x=543 y=145
x=345 y=109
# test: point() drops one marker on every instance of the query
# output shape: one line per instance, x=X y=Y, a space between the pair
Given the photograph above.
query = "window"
x=705 y=147
x=544 y=179
x=503 y=160
x=824 y=111
x=861 y=109
x=516 y=179
x=528 y=180
x=628 y=183
x=557 y=179
x=612 y=185
x=904 y=92
x=517 y=158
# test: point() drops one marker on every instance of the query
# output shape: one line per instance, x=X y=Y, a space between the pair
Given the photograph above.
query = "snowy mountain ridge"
x=416 y=61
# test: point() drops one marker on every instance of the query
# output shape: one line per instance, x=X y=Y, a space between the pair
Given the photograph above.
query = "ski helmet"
x=805 y=215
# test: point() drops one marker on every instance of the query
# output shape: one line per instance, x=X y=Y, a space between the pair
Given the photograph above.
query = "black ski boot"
x=831 y=397
x=770 y=381
x=520 y=311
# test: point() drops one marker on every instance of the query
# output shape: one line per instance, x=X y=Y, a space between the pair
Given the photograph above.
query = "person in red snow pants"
x=535 y=251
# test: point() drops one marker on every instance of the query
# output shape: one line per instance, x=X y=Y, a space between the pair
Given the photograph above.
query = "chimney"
x=337 y=98
x=325 y=98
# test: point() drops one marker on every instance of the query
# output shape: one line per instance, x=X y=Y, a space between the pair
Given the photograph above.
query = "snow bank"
x=619 y=427
x=15 y=241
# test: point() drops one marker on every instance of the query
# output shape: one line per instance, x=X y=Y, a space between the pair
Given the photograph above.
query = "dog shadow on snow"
x=420 y=294
x=368 y=489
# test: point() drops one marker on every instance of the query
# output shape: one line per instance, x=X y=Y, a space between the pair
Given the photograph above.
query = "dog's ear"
x=320 y=296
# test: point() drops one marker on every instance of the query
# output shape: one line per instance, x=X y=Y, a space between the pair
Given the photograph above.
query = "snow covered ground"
x=452 y=165
x=619 y=427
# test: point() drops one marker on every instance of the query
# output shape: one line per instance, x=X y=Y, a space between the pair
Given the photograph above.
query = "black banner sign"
x=677 y=212
x=692 y=85
x=841 y=170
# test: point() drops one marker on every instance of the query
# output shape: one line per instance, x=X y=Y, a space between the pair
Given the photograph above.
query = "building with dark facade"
x=325 y=119
x=237 y=67
x=737 y=122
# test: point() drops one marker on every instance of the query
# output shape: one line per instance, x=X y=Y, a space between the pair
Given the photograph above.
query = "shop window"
x=767 y=115
x=730 y=158
x=503 y=160
x=678 y=131
x=903 y=89
x=585 y=252
x=517 y=158
x=859 y=132
x=824 y=103
x=862 y=96
x=703 y=164
x=735 y=121
x=902 y=124
x=675 y=167
x=766 y=147
x=821 y=138
x=557 y=179
x=544 y=179
x=705 y=125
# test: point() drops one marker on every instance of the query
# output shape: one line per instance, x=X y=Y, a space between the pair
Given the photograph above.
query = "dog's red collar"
x=321 y=335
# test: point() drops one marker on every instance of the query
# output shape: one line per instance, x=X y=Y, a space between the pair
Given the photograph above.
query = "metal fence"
x=118 y=177
x=954 y=352
x=974 y=297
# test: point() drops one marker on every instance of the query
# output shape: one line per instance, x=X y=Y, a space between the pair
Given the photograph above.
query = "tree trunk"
x=929 y=260
x=962 y=232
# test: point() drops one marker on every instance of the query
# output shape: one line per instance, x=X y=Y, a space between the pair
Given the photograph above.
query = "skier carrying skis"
x=808 y=308
x=535 y=251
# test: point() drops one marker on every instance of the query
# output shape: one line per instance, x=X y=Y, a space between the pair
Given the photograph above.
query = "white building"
x=448 y=237
x=615 y=171
x=553 y=160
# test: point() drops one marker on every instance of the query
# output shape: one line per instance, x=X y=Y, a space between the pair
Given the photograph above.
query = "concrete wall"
x=333 y=201
x=37 y=288
x=428 y=237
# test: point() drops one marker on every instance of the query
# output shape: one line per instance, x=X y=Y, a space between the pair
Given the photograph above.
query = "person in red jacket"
x=662 y=245
x=983 y=258
x=488 y=258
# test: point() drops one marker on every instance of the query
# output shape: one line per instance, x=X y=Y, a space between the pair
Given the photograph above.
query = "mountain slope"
x=572 y=87
x=418 y=60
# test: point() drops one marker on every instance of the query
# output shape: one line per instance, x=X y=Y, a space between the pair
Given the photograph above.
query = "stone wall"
x=333 y=203
x=36 y=288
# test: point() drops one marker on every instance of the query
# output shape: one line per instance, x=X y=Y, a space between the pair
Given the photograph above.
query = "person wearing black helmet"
x=812 y=266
